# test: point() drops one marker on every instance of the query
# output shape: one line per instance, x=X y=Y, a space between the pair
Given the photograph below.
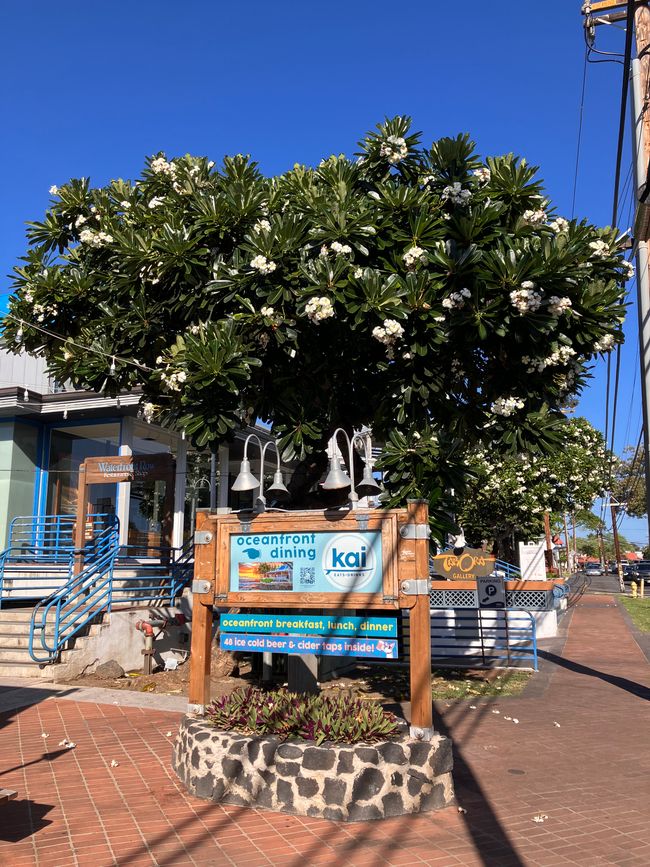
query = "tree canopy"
x=507 y=499
x=426 y=291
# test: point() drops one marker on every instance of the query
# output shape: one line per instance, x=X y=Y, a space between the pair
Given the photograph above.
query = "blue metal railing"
x=100 y=586
x=70 y=609
x=492 y=637
x=41 y=553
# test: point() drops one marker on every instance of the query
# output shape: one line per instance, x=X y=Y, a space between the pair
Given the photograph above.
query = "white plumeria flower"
x=600 y=249
x=506 y=406
x=628 y=269
x=156 y=202
x=358 y=272
x=394 y=148
x=263 y=265
x=389 y=333
x=526 y=299
x=318 y=309
x=341 y=249
x=148 y=412
x=267 y=311
x=415 y=256
x=557 y=306
x=559 y=225
x=54 y=190
x=605 y=344
x=80 y=221
x=482 y=175
x=160 y=166
x=456 y=300
x=262 y=225
x=457 y=194
x=536 y=217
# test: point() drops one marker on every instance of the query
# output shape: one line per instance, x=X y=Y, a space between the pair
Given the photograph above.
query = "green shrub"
x=339 y=719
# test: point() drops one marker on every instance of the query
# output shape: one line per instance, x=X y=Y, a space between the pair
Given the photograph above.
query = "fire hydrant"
x=147 y=628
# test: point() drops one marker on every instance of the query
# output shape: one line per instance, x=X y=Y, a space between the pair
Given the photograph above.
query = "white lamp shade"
x=245 y=481
x=336 y=478
x=278 y=489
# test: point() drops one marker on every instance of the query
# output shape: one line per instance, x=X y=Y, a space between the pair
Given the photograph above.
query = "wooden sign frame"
x=269 y=523
x=405 y=554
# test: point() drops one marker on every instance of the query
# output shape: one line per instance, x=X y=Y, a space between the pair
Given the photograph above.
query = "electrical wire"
x=578 y=144
x=71 y=342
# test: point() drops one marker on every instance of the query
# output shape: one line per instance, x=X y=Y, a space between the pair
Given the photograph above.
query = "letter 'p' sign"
x=491 y=592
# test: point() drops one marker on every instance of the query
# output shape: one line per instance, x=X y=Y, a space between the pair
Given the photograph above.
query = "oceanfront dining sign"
x=320 y=562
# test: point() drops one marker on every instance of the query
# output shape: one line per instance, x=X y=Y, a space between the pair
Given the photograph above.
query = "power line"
x=581 y=115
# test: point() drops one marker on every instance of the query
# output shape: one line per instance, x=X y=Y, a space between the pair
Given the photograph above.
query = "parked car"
x=638 y=570
x=593 y=570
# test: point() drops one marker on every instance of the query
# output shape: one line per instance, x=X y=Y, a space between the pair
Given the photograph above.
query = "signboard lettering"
x=320 y=645
x=471 y=563
x=308 y=624
x=318 y=562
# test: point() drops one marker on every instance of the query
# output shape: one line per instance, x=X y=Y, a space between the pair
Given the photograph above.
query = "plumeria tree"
x=506 y=501
x=424 y=290
x=628 y=484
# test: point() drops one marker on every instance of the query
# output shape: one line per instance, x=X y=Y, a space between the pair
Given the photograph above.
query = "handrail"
x=100 y=557
x=92 y=592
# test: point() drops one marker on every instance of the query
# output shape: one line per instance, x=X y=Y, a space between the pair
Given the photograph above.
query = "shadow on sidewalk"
x=22 y=818
x=631 y=686
x=493 y=845
x=46 y=757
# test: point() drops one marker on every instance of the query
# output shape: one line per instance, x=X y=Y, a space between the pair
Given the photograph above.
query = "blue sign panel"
x=344 y=562
x=320 y=645
x=308 y=624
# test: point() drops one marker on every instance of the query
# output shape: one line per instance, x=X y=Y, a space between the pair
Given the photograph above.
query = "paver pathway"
x=589 y=775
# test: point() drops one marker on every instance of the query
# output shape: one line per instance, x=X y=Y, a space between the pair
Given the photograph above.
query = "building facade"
x=47 y=431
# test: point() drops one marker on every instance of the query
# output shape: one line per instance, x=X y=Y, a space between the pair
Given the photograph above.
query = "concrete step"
x=18 y=628
x=19 y=639
x=22 y=669
x=16 y=615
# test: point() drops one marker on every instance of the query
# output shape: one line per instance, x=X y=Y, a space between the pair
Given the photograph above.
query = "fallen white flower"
x=496 y=711
x=472 y=707
x=507 y=717
x=515 y=720
x=539 y=818
x=44 y=735
x=462 y=810
x=168 y=734
x=114 y=764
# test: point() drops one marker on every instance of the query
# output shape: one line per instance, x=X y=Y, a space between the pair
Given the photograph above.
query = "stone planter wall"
x=335 y=781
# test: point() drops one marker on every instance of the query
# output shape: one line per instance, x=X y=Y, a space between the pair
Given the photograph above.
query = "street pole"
x=549 y=547
x=617 y=546
x=641 y=147
x=568 y=550
x=602 y=550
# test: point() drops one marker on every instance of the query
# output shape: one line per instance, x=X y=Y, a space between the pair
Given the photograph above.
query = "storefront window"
x=69 y=447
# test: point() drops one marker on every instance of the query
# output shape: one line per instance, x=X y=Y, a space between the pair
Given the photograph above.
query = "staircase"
x=15 y=657
x=69 y=603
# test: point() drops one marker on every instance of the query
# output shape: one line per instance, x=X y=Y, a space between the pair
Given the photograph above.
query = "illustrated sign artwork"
x=320 y=645
x=308 y=624
x=318 y=562
x=491 y=592
x=471 y=563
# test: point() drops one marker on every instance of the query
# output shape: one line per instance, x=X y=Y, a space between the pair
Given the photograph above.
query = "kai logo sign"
x=349 y=562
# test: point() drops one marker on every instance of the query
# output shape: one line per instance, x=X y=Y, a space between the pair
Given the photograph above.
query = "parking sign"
x=491 y=592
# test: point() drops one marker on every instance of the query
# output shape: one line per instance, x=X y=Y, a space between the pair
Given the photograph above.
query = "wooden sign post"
x=363 y=559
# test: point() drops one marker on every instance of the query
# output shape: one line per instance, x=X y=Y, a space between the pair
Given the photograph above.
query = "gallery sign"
x=471 y=563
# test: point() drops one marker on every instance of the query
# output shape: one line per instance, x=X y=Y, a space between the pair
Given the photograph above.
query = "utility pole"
x=641 y=143
x=617 y=546
x=608 y=12
x=601 y=541
x=550 y=564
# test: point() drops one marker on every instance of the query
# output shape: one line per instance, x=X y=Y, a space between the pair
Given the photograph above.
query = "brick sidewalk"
x=589 y=776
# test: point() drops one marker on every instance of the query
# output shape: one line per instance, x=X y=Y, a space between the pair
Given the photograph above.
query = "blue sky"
x=91 y=88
